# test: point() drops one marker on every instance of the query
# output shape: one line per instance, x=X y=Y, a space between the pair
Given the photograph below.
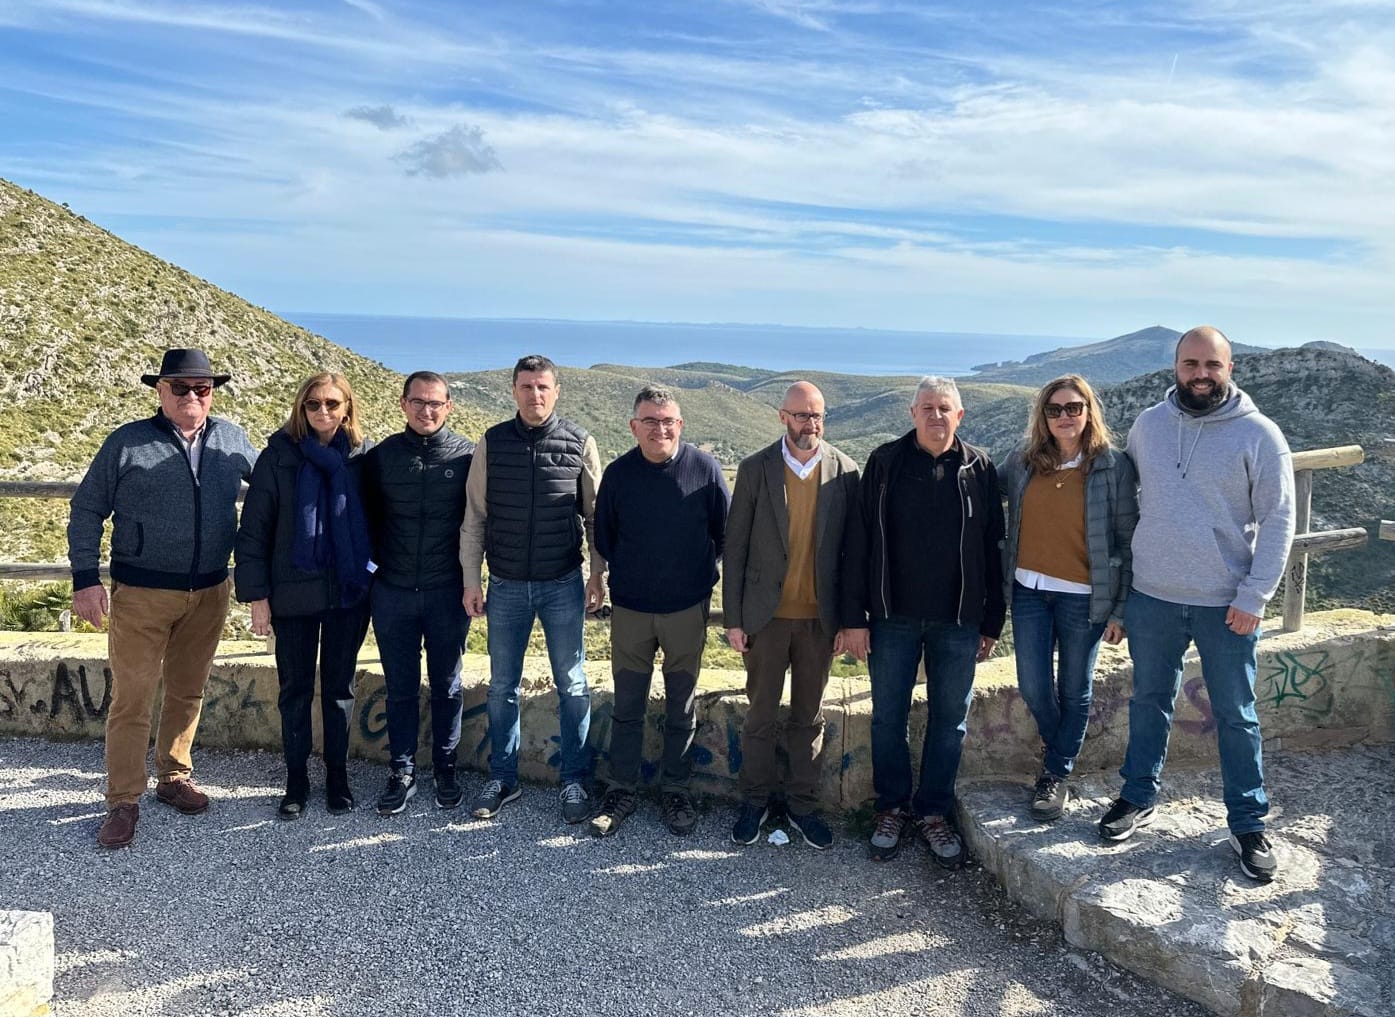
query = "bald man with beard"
x=1216 y=518
x=783 y=598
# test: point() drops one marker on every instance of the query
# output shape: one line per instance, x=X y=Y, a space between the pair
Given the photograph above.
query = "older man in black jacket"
x=414 y=490
x=927 y=549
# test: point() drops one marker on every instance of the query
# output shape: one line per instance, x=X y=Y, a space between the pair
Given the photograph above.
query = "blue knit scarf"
x=330 y=529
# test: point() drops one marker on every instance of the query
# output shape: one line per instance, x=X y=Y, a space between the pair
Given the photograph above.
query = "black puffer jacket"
x=414 y=490
x=533 y=523
x=267 y=532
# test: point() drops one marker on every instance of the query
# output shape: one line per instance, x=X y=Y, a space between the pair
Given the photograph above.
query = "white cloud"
x=460 y=151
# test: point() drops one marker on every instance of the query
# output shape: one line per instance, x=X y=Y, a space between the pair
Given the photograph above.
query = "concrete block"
x=26 y=963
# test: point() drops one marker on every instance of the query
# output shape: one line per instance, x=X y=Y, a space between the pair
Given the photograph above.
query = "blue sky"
x=1080 y=169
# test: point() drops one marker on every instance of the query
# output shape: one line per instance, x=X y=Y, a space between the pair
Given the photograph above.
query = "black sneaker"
x=402 y=784
x=617 y=806
x=448 y=790
x=492 y=797
x=1256 y=855
x=888 y=834
x=748 y=824
x=812 y=828
x=679 y=812
x=1123 y=819
x=576 y=803
x=1049 y=797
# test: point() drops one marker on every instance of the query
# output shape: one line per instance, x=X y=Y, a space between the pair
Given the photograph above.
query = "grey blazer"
x=756 y=554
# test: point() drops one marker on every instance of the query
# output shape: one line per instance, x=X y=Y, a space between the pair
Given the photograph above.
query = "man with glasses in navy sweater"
x=661 y=515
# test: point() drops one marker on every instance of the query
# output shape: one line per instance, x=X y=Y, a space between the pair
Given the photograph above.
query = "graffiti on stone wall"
x=224 y=693
x=1297 y=681
x=69 y=692
x=1194 y=689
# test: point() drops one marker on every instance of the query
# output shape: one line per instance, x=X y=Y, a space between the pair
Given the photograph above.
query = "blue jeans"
x=1159 y=632
x=1043 y=623
x=404 y=620
x=559 y=604
x=949 y=651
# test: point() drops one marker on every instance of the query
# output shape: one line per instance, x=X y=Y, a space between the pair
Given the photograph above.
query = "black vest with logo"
x=533 y=525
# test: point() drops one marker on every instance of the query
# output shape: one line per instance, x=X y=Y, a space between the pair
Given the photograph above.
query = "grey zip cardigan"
x=1111 y=513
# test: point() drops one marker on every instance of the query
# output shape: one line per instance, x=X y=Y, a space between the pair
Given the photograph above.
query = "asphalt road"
x=431 y=912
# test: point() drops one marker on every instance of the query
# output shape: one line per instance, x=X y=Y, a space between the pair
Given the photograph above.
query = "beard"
x=1202 y=400
x=803 y=442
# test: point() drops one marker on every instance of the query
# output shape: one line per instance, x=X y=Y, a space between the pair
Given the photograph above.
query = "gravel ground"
x=431 y=912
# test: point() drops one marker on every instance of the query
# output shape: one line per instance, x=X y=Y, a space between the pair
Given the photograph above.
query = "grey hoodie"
x=1215 y=504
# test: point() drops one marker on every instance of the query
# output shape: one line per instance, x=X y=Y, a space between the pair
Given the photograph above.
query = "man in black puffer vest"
x=532 y=493
x=414 y=494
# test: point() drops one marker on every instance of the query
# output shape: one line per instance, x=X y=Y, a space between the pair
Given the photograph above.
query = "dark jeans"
x=404 y=621
x=635 y=639
x=337 y=635
x=1044 y=623
x=801 y=646
x=949 y=651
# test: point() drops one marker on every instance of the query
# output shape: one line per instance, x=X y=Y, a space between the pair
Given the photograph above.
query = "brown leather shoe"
x=119 y=828
x=183 y=794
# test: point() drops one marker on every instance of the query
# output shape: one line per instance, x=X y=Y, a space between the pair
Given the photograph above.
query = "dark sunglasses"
x=179 y=389
x=1054 y=410
x=313 y=405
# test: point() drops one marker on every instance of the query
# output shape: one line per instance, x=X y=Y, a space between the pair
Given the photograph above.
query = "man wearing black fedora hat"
x=170 y=484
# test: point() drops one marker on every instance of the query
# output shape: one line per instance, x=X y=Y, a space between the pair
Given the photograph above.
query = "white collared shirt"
x=1041 y=581
x=193 y=446
x=801 y=470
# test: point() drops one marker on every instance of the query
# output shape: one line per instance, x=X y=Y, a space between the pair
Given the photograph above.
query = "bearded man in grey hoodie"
x=1215 y=524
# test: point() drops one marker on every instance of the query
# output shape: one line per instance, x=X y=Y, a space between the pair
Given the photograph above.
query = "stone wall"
x=1330 y=685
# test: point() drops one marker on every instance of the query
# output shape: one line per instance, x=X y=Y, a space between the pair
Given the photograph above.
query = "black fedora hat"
x=185 y=364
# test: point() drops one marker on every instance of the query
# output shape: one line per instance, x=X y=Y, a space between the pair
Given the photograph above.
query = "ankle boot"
x=297 y=789
x=338 y=798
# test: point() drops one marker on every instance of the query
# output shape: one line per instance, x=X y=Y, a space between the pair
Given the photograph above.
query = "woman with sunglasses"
x=303 y=566
x=1072 y=508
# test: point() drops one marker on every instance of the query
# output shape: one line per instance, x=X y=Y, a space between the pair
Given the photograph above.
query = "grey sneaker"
x=1049 y=797
x=617 y=806
x=944 y=844
x=576 y=803
x=1256 y=856
x=886 y=836
x=492 y=797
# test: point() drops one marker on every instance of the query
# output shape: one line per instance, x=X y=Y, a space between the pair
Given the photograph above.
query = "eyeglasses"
x=1054 y=410
x=805 y=418
x=180 y=390
x=654 y=423
x=427 y=404
x=329 y=405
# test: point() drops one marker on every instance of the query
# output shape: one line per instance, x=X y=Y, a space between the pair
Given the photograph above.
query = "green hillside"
x=83 y=314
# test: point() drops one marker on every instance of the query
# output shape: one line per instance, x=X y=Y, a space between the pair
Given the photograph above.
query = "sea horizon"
x=407 y=343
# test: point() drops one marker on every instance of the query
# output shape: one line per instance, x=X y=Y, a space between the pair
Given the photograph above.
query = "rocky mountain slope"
x=1117 y=359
